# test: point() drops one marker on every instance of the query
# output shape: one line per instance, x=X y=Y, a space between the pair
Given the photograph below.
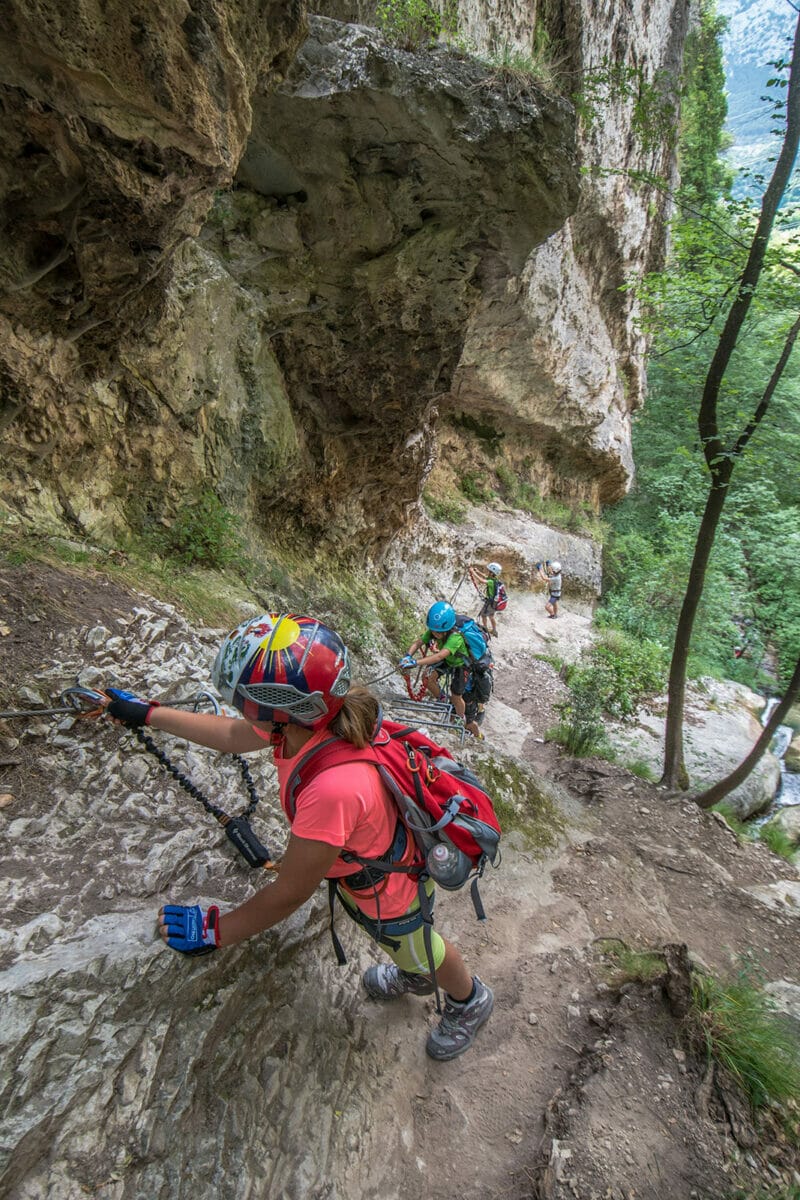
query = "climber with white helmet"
x=550 y=573
x=491 y=582
x=289 y=677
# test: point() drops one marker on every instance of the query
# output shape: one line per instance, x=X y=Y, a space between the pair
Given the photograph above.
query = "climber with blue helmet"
x=444 y=653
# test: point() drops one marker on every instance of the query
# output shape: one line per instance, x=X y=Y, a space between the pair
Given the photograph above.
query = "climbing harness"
x=89 y=704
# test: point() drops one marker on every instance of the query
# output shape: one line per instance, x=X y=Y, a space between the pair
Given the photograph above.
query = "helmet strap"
x=278 y=734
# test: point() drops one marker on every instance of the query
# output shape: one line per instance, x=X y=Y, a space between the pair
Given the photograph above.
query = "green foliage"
x=732 y=820
x=626 y=669
x=518 y=67
x=751 y=595
x=203 y=532
x=483 y=430
x=399 y=621
x=624 y=964
x=641 y=769
x=650 y=102
x=613 y=678
x=580 y=730
x=704 y=174
x=575 y=518
x=444 y=508
x=778 y=840
x=779 y=1191
x=733 y=1018
x=475 y=488
x=519 y=801
x=409 y=24
x=754 y=571
x=741 y=1029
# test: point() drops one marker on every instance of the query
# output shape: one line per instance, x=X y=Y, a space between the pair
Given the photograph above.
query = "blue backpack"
x=476 y=642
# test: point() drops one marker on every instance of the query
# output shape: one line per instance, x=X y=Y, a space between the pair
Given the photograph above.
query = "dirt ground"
x=576 y=1088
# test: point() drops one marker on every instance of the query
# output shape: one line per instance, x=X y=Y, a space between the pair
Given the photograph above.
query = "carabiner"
x=86 y=702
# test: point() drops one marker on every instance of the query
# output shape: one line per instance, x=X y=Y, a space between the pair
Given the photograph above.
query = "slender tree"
x=720 y=455
x=720 y=790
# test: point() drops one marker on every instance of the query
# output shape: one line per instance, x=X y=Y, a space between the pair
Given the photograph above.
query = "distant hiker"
x=491 y=583
x=445 y=650
x=550 y=573
x=289 y=676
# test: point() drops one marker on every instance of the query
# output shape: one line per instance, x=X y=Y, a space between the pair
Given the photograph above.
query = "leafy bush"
x=444 y=508
x=627 y=670
x=409 y=24
x=204 y=532
x=580 y=729
x=475 y=488
x=613 y=678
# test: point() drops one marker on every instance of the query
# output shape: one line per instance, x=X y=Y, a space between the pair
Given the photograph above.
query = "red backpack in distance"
x=500 y=597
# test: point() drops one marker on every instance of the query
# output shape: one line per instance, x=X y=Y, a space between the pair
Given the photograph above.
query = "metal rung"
x=436 y=714
x=419 y=703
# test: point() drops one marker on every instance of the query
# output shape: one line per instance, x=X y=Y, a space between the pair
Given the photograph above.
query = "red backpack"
x=439 y=801
x=500 y=597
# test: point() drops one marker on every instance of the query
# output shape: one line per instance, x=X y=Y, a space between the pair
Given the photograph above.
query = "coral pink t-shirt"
x=348 y=806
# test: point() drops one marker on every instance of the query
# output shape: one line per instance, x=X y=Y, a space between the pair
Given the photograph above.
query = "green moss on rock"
x=520 y=802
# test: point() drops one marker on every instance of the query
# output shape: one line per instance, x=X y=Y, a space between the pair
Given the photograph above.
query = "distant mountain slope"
x=759 y=33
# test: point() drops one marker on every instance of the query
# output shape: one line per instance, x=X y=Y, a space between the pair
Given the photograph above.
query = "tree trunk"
x=720 y=458
x=675 y=775
x=718 y=792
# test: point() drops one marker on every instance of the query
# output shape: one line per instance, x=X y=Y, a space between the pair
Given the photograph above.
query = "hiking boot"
x=388 y=982
x=456 y=1031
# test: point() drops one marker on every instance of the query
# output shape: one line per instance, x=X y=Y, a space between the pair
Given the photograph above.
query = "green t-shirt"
x=458 y=654
x=491 y=588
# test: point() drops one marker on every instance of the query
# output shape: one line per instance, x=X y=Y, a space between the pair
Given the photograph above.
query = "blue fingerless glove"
x=191 y=929
x=407 y=662
x=129 y=709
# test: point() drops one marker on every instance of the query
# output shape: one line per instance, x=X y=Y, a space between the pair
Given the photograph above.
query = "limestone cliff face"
x=230 y=258
x=556 y=351
x=553 y=355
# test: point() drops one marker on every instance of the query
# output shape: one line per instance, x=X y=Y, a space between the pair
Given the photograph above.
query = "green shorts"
x=406 y=950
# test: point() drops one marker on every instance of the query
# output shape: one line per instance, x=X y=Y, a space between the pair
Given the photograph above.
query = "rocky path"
x=263 y=1073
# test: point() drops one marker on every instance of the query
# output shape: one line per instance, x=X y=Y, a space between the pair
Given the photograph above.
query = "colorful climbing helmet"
x=287 y=669
x=441 y=617
x=555 y=567
x=495 y=568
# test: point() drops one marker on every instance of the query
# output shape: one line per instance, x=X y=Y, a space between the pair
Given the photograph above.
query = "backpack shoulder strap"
x=331 y=753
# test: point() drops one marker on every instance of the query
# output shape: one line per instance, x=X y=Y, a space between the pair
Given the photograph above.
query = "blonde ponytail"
x=356 y=719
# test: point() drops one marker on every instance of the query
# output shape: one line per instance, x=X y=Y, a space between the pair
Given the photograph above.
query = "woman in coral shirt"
x=289 y=676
